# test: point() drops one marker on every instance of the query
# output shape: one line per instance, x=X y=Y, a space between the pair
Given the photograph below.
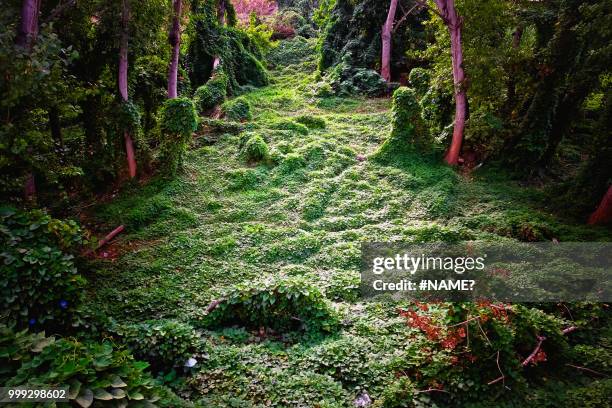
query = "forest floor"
x=224 y=221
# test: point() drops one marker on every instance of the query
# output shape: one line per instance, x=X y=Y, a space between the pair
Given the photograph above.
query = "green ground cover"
x=290 y=218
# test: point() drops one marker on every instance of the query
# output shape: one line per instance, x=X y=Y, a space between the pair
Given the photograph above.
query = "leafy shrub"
x=281 y=303
x=419 y=80
x=350 y=359
x=212 y=93
x=292 y=51
x=346 y=81
x=39 y=281
x=243 y=179
x=436 y=106
x=163 y=343
x=92 y=371
x=221 y=126
x=238 y=109
x=290 y=125
x=16 y=348
x=323 y=90
x=256 y=149
x=179 y=117
x=408 y=128
x=129 y=117
x=292 y=162
x=179 y=121
x=311 y=122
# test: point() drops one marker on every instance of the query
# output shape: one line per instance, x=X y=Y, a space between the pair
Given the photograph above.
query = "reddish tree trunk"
x=123 y=82
x=28 y=30
x=387 y=30
x=453 y=21
x=221 y=12
x=175 y=41
x=603 y=214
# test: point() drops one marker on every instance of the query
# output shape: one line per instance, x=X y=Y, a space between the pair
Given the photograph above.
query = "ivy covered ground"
x=272 y=225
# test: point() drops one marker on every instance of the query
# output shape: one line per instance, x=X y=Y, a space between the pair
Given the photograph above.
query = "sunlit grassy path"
x=225 y=221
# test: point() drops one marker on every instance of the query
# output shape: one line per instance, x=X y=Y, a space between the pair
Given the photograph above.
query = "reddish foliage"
x=261 y=8
x=282 y=32
x=449 y=340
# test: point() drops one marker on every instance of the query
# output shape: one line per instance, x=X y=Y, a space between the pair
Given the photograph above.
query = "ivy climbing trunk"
x=123 y=82
x=603 y=214
x=448 y=13
x=387 y=31
x=27 y=32
x=174 y=37
x=221 y=10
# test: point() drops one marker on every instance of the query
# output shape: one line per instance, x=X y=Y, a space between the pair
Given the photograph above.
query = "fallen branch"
x=110 y=236
x=431 y=390
x=569 y=329
x=588 y=370
x=212 y=306
x=498 y=379
x=534 y=352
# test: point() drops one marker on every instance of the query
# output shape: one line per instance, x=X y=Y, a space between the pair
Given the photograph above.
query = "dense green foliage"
x=165 y=344
x=255 y=148
x=212 y=93
x=238 y=109
x=237 y=231
x=40 y=285
x=280 y=304
x=537 y=80
x=95 y=373
x=408 y=130
x=178 y=122
x=236 y=274
x=240 y=54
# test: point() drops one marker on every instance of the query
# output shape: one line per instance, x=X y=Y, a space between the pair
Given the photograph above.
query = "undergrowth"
x=269 y=221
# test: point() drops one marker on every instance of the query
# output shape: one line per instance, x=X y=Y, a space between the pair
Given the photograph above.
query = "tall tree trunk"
x=221 y=12
x=513 y=70
x=603 y=214
x=454 y=22
x=27 y=32
x=174 y=38
x=123 y=82
x=387 y=30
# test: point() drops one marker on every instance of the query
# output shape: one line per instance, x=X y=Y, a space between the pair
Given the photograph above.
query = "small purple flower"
x=32 y=321
x=63 y=304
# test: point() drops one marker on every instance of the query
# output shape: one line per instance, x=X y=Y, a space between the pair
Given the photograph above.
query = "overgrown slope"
x=300 y=216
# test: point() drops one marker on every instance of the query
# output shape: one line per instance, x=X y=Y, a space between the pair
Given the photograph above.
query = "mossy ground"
x=305 y=212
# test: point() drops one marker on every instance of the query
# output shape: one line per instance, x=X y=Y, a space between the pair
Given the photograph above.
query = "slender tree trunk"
x=454 y=22
x=387 y=30
x=123 y=82
x=221 y=18
x=603 y=214
x=55 y=126
x=27 y=33
x=221 y=12
x=175 y=41
x=28 y=30
x=512 y=73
